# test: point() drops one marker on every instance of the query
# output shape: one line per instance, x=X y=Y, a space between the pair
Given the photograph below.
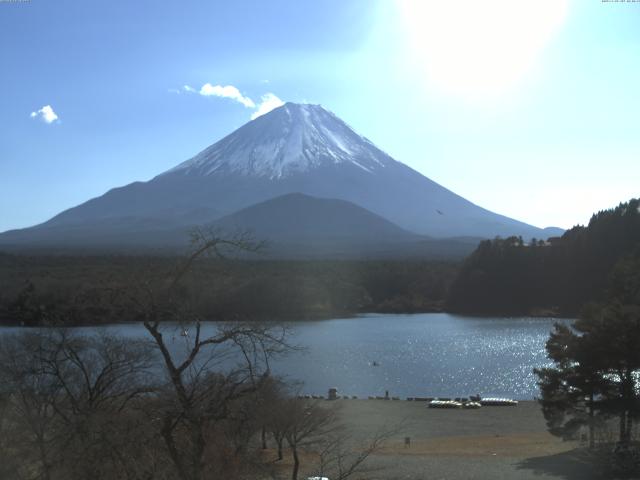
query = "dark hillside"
x=509 y=276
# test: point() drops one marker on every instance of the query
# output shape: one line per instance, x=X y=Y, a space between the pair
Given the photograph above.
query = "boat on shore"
x=444 y=404
x=498 y=402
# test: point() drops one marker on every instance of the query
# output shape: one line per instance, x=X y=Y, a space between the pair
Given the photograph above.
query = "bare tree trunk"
x=623 y=425
x=198 y=451
x=628 y=394
x=296 y=463
x=263 y=434
x=46 y=468
x=629 y=426
x=591 y=426
x=167 y=435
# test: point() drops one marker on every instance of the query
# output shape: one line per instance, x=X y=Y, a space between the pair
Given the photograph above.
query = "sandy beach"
x=488 y=443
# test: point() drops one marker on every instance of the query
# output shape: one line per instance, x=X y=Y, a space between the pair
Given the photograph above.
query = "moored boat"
x=444 y=404
x=498 y=402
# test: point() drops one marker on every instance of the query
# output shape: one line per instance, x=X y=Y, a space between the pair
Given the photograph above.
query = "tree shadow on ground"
x=575 y=464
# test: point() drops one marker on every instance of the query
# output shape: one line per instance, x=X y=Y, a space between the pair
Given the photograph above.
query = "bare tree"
x=341 y=457
x=102 y=407
x=306 y=424
x=214 y=368
x=29 y=406
x=315 y=427
x=68 y=399
x=271 y=407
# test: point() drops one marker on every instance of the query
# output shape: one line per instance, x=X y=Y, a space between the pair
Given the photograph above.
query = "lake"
x=433 y=354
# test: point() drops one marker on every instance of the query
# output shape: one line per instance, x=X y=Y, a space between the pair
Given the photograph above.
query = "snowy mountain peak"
x=293 y=138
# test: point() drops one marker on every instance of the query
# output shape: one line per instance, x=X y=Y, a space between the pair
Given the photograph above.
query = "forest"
x=74 y=290
x=554 y=277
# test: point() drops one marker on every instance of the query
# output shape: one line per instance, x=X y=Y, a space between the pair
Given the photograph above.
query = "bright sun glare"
x=477 y=48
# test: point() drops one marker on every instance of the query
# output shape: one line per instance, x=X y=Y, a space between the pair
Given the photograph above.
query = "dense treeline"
x=510 y=276
x=75 y=290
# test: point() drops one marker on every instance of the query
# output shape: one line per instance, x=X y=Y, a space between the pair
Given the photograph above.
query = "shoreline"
x=310 y=318
x=459 y=444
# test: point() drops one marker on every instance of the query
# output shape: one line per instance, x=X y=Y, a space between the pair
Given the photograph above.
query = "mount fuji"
x=296 y=148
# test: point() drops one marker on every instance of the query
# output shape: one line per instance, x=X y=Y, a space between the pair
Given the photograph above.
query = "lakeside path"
x=489 y=443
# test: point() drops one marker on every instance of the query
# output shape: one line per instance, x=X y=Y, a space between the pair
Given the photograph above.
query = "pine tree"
x=597 y=362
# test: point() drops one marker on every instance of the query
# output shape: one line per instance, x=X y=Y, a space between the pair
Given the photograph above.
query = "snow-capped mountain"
x=290 y=140
x=292 y=149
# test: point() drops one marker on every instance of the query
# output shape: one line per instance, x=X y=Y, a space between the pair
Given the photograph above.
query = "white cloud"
x=228 y=91
x=268 y=102
x=46 y=113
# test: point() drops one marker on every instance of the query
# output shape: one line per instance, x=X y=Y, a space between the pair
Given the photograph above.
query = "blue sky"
x=530 y=109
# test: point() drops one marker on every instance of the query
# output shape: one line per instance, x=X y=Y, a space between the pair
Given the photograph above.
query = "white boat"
x=498 y=402
x=444 y=404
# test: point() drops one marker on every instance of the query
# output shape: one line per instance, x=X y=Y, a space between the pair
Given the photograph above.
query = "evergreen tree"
x=597 y=362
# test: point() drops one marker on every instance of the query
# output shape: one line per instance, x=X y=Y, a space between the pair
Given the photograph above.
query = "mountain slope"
x=294 y=148
x=299 y=226
x=299 y=217
x=294 y=226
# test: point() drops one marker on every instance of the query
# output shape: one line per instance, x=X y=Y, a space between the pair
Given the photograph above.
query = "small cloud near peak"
x=267 y=103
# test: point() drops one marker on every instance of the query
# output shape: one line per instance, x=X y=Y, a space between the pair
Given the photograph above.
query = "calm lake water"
x=432 y=354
